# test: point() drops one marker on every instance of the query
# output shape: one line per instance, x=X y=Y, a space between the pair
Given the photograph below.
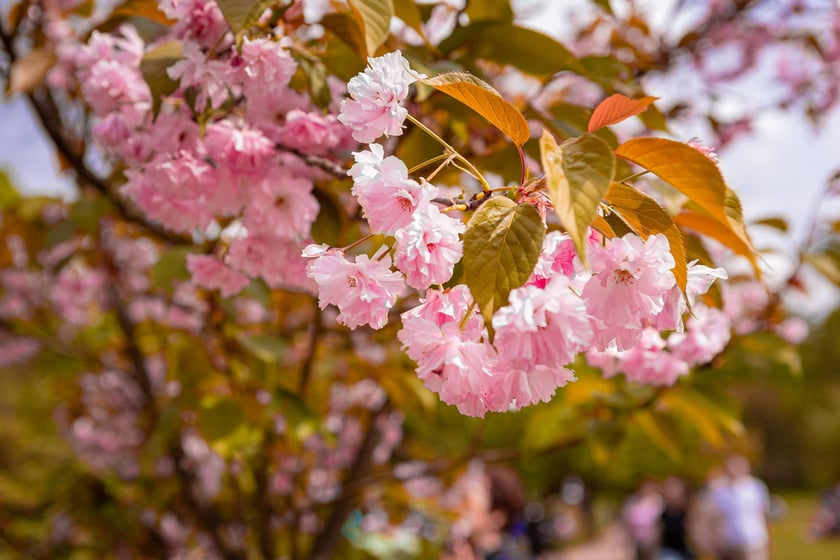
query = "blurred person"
x=491 y=525
x=706 y=523
x=743 y=502
x=826 y=520
x=641 y=515
x=674 y=521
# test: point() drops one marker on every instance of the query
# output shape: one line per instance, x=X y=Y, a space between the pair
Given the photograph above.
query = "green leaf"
x=550 y=426
x=265 y=347
x=374 y=18
x=327 y=227
x=683 y=167
x=480 y=96
x=408 y=11
x=646 y=217
x=171 y=267
x=660 y=432
x=153 y=67
x=493 y=10
x=529 y=51
x=86 y=212
x=241 y=14
x=502 y=243
x=9 y=196
x=578 y=174
x=346 y=28
x=219 y=418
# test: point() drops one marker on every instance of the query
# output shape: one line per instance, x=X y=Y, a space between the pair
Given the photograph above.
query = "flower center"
x=405 y=204
x=623 y=277
x=352 y=282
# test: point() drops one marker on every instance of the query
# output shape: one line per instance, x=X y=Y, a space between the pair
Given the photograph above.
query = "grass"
x=789 y=533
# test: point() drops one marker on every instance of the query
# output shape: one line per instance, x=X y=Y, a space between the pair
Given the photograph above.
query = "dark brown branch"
x=316 y=161
x=315 y=330
x=45 y=108
x=328 y=540
x=207 y=517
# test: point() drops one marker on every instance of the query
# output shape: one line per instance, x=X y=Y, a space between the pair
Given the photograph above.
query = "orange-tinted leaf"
x=646 y=217
x=480 y=96
x=683 y=167
x=141 y=8
x=616 y=108
x=707 y=225
x=774 y=222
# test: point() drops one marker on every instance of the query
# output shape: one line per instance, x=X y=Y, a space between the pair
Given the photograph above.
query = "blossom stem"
x=437 y=170
x=475 y=172
x=358 y=242
x=429 y=162
x=467 y=315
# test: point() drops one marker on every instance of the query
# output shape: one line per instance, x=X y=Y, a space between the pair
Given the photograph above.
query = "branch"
x=208 y=518
x=316 y=161
x=328 y=540
x=315 y=330
x=45 y=108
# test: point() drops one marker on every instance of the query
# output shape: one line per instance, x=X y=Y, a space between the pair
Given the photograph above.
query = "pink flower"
x=707 y=151
x=429 y=247
x=211 y=273
x=364 y=290
x=523 y=387
x=445 y=306
x=648 y=362
x=449 y=362
x=200 y=20
x=264 y=67
x=376 y=95
x=541 y=327
x=312 y=132
x=275 y=260
x=78 y=293
x=451 y=358
x=700 y=279
x=387 y=196
x=209 y=77
x=111 y=85
x=181 y=193
x=557 y=257
x=793 y=330
x=630 y=279
x=281 y=205
x=707 y=333
x=239 y=150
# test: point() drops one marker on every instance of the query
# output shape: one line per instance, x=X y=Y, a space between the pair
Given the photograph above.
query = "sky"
x=778 y=171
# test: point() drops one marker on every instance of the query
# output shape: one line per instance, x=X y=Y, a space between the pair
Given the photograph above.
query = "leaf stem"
x=476 y=173
x=357 y=242
x=634 y=176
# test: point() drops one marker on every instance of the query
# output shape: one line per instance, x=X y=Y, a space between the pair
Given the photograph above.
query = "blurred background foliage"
x=261 y=394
